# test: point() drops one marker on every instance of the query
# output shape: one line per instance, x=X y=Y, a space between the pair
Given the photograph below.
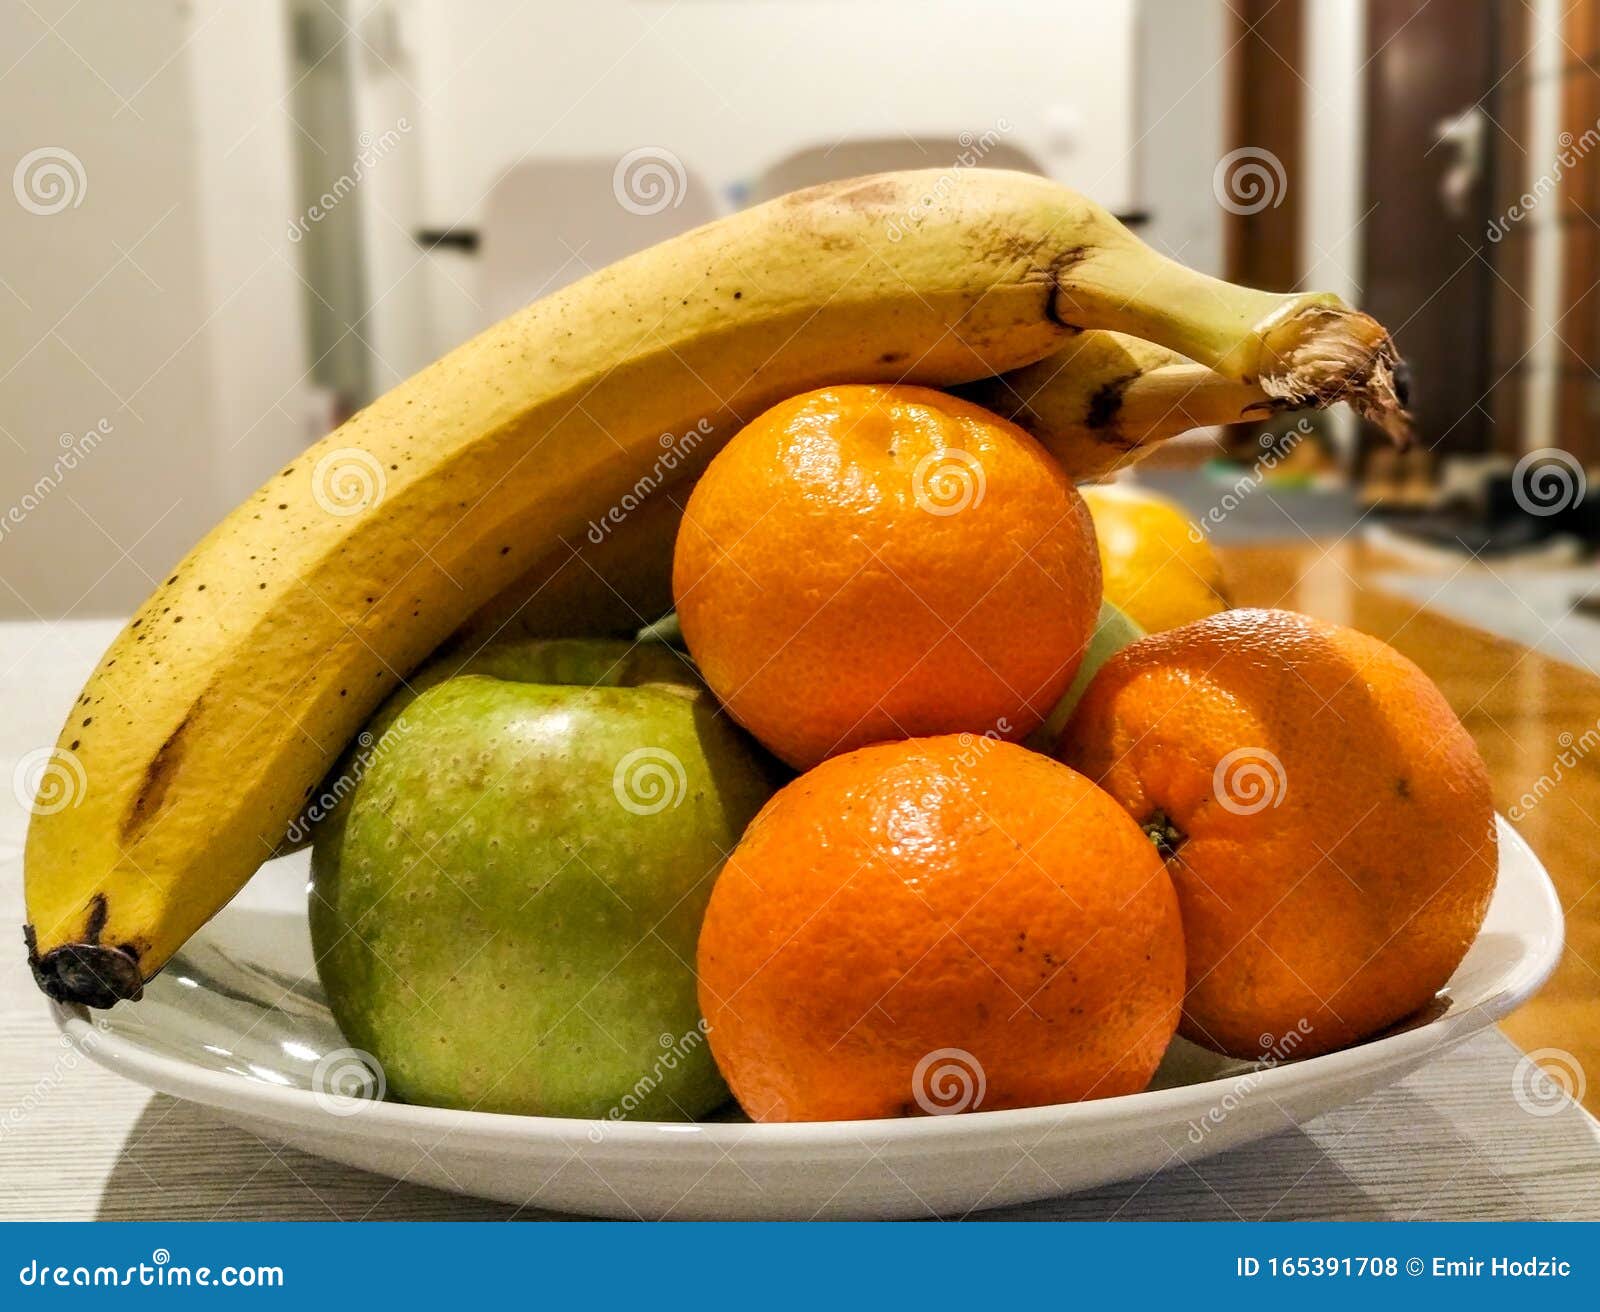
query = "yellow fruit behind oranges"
x=1158 y=568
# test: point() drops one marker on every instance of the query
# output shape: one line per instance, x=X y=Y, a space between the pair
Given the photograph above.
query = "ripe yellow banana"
x=217 y=710
x=1102 y=402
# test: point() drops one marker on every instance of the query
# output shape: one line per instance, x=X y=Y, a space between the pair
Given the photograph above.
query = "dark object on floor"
x=1504 y=526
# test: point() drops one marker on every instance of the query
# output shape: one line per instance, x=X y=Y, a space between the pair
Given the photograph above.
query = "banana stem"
x=1300 y=349
x=1172 y=400
x=1106 y=400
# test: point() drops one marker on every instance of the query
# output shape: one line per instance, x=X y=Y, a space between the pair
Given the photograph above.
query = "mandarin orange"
x=1325 y=816
x=873 y=562
x=939 y=925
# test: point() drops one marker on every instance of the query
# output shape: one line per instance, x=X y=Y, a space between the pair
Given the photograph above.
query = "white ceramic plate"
x=237 y=1022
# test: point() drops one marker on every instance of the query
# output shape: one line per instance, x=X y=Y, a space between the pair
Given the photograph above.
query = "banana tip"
x=1330 y=353
x=88 y=974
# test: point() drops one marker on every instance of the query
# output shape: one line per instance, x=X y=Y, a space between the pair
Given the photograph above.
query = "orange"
x=865 y=563
x=941 y=925
x=1326 y=818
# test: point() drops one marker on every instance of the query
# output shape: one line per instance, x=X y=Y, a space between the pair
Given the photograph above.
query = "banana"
x=1101 y=403
x=1107 y=400
x=217 y=710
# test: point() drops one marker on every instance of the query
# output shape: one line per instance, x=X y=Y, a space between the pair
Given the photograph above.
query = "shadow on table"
x=181 y=1163
x=1391 y=1157
x=1289 y=1177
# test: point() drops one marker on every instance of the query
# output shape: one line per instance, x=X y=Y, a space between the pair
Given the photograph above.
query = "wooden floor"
x=1517 y=705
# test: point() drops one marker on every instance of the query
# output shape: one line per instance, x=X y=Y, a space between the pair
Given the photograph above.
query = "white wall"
x=163 y=302
x=1182 y=83
x=150 y=303
x=1334 y=148
x=413 y=293
x=730 y=87
x=237 y=59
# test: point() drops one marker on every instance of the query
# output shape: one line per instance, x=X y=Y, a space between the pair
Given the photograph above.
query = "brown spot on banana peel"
x=860 y=192
x=96 y=924
x=158 y=776
x=990 y=247
x=1067 y=259
x=873 y=190
x=1106 y=403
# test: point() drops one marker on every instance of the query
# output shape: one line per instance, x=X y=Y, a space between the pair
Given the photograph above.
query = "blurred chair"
x=547 y=223
x=849 y=159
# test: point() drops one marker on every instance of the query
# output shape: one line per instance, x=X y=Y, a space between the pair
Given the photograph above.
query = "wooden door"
x=1430 y=145
x=1266 y=118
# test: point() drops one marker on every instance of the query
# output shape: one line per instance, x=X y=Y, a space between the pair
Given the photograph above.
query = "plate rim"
x=287 y=1106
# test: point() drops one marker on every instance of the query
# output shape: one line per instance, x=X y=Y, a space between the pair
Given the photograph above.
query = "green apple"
x=667 y=630
x=506 y=895
x=1113 y=631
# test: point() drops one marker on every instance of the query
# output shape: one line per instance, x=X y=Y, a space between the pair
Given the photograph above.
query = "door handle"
x=1465 y=134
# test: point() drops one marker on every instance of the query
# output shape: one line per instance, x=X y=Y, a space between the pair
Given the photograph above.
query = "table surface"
x=76 y=1142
